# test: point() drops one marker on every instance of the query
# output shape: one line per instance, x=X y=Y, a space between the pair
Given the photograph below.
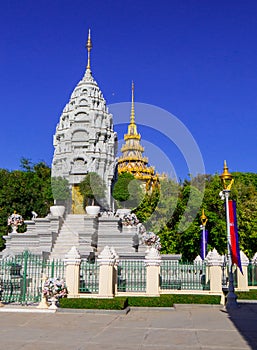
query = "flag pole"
x=227 y=182
x=202 y=227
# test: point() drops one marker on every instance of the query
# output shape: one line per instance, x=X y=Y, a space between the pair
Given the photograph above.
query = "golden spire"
x=226 y=173
x=132 y=128
x=226 y=178
x=132 y=115
x=132 y=159
x=89 y=48
x=203 y=218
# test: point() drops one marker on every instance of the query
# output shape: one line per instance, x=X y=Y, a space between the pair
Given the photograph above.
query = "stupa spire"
x=132 y=159
x=89 y=48
x=132 y=115
x=132 y=128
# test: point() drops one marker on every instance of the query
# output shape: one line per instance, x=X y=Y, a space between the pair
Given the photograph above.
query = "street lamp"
x=204 y=220
x=227 y=182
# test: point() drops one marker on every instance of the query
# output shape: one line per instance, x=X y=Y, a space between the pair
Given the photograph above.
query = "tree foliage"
x=127 y=191
x=93 y=189
x=177 y=221
x=60 y=188
x=25 y=191
x=173 y=211
x=147 y=205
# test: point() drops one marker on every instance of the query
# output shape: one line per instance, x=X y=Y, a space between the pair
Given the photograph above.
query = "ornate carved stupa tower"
x=132 y=159
x=84 y=140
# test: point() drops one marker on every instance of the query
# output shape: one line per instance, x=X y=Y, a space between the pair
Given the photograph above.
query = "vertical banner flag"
x=234 y=248
x=204 y=241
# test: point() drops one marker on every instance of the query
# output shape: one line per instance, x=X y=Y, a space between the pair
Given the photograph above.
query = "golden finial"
x=226 y=178
x=89 y=48
x=132 y=128
x=203 y=218
x=132 y=116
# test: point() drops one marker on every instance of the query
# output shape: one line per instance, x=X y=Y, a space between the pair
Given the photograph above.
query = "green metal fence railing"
x=183 y=276
x=252 y=275
x=54 y=268
x=131 y=276
x=89 y=277
x=21 y=277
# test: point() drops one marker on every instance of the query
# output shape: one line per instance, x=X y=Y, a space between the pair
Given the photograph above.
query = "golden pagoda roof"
x=132 y=159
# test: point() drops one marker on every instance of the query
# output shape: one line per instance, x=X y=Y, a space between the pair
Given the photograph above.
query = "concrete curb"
x=34 y=309
x=93 y=311
x=194 y=306
x=26 y=310
x=148 y=308
x=246 y=301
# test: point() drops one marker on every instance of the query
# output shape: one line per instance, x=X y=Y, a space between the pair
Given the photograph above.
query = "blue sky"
x=196 y=59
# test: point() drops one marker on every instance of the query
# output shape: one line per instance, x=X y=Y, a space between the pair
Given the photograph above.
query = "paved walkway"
x=185 y=327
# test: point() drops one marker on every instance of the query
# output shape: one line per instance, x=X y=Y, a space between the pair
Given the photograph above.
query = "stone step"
x=108 y=234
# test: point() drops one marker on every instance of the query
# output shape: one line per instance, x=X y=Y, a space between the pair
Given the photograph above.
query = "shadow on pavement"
x=244 y=319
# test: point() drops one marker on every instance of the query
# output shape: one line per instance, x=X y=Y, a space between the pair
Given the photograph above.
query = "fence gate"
x=89 y=277
x=21 y=277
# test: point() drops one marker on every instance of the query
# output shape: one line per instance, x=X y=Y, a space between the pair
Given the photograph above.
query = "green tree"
x=25 y=191
x=128 y=191
x=92 y=188
x=175 y=239
x=60 y=189
x=168 y=193
x=244 y=192
x=147 y=206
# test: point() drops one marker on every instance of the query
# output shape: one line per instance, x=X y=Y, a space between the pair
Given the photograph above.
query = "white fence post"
x=242 y=279
x=153 y=262
x=72 y=262
x=214 y=262
x=106 y=260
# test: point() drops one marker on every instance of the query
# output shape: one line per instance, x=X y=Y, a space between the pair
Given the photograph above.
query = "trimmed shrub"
x=168 y=300
x=86 y=303
x=165 y=300
x=251 y=295
x=120 y=303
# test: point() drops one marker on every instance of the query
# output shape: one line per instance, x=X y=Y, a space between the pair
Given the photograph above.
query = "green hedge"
x=168 y=300
x=251 y=295
x=87 y=303
x=164 y=300
x=120 y=303
x=196 y=299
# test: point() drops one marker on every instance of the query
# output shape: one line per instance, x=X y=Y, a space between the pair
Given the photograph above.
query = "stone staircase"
x=69 y=236
x=83 y=232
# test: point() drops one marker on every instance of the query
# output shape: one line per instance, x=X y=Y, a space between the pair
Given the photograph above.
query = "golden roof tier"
x=132 y=159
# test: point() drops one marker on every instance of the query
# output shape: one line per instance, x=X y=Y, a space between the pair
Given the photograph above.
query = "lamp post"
x=204 y=220
x=227 y=182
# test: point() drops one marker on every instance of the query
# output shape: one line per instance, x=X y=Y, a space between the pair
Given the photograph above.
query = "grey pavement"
x=183 y=327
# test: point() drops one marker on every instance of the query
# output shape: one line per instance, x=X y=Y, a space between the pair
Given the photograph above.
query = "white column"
x=153 y=262
x=106 y=260
x=72 y=262
x=242 y=279
x=214 y=262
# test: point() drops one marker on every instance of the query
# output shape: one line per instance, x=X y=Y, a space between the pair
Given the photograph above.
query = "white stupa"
x=84 y=140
